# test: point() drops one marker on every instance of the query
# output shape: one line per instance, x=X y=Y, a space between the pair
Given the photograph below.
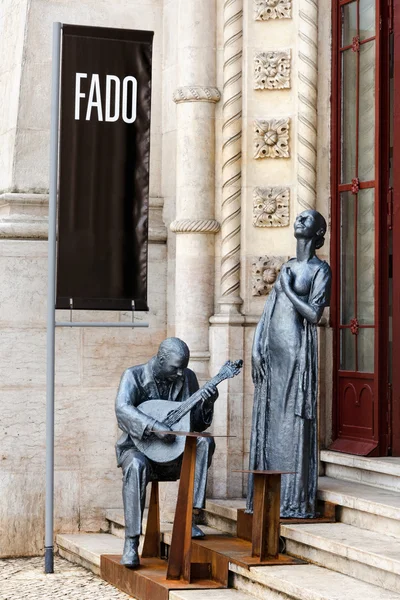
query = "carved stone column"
x=307 y=94
x=195 y=225
x=231 y=155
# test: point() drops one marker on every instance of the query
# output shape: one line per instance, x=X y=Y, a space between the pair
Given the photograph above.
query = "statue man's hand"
x=209 y=393
x=158 y=427
x=258 y=371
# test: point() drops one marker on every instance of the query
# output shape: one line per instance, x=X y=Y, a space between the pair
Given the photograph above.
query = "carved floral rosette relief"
x=271 y=138
x=264 y=273
x=272 y=70
x=272 y=9
x=271 y=206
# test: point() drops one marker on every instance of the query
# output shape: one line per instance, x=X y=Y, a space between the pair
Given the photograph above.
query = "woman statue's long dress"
x=285 y=373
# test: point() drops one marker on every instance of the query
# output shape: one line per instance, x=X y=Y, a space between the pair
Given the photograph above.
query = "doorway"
x=361 y=227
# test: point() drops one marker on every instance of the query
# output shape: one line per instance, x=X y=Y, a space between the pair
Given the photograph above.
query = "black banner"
x=104 y=168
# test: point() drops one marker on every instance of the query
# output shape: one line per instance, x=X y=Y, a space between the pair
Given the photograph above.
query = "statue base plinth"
x=220 y=550
x=149 y=581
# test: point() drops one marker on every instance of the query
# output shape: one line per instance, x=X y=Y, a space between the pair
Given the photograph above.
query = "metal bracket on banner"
x=72 y=323
x=133 y=324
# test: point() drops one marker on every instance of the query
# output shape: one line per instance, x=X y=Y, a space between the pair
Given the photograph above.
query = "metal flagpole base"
x=49 y=559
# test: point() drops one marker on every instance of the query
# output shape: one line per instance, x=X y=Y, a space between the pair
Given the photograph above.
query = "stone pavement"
x=23 y=578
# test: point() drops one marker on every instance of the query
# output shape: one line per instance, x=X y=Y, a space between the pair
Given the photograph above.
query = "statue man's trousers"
x=138 y=471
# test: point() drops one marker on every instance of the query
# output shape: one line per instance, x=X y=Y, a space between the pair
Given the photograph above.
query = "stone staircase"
x=358 y=557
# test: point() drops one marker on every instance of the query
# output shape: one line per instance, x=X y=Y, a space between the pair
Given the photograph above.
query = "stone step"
x=115 y=517
x=85 y=548
x=366 y=555
x=304 y=582
x=207 y=595
x=364 y=545
x=363 y=506
x=359 y=505
x=383 y=472
x=222 y=514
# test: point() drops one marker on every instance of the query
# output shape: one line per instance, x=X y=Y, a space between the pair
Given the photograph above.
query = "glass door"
x=357 y=216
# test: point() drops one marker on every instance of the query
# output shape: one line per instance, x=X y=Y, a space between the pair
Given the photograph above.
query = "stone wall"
x=89 y=362
x=13 y=15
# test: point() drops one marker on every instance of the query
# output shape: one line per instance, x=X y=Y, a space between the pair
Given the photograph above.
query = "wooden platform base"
x=148 y=582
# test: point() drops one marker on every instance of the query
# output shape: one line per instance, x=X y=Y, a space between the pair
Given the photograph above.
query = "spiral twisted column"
x=307 y=113
x=231 y=153
x=227 y=331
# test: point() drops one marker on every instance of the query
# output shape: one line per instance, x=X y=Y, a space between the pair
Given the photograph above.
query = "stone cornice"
x=197 y=93
x=195 y=226
x=23 y=227
x=25 y=216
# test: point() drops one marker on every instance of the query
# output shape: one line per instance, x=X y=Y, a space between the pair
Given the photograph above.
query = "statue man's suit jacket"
x=137 y=386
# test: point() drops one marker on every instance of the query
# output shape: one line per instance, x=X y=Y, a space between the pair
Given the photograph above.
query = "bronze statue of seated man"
x=165 y=377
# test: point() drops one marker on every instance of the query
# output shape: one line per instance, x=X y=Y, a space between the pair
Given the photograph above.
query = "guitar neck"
x=185 y=407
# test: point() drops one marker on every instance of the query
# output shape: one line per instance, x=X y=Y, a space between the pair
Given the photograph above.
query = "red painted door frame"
x=395 y=407
x=377 y=443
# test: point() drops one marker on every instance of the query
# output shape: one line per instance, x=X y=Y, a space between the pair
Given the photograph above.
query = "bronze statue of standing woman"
x=285 y=372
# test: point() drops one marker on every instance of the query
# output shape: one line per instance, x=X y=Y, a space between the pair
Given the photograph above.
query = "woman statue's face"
x=307 y=224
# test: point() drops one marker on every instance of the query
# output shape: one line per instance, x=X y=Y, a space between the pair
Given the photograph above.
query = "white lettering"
x=117 y=94
x=94 y=91
x=78 y=93
x=113 y=97
x=125 y=83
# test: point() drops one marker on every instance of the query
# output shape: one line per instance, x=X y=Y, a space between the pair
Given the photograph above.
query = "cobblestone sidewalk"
x=23 y=578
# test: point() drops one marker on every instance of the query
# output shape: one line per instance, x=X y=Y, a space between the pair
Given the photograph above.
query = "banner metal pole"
x=51 y=300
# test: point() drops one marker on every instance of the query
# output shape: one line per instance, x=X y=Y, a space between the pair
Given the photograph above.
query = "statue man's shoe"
x=130 y=557
x=197 y=532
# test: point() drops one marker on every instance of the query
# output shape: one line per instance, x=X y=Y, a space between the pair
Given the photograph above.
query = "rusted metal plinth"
x=149 y=581
x=264 y=524
x=152 y=539
x=220 y=550
x=266 y=517
x=179 y=561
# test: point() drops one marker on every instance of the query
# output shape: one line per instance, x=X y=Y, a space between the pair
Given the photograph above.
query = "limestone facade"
x=204 y=235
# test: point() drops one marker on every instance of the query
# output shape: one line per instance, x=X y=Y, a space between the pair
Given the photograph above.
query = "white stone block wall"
x=13 y=14
x=89 y=363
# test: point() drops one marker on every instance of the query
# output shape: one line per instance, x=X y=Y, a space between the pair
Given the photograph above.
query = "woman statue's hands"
x=257 y=368
x=286 y=278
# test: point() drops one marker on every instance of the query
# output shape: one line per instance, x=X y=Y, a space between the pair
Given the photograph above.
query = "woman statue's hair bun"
x=320 y=241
